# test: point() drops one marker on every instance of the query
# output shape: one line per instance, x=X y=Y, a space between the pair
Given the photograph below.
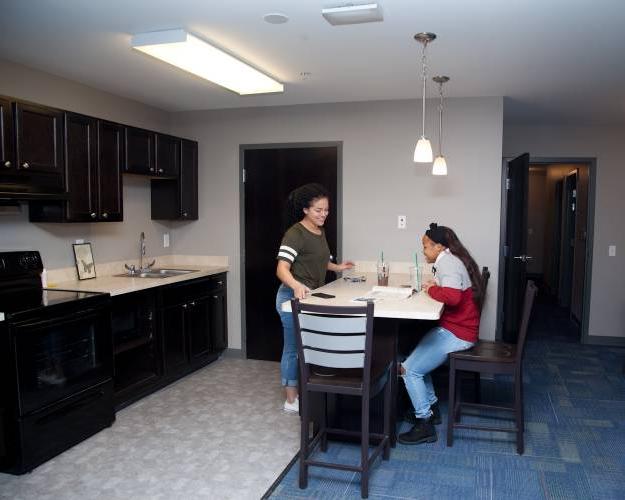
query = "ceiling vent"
x=353 y=14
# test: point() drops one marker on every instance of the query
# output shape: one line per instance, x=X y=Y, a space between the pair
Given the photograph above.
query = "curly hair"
x=448 y=238
x=301 y=198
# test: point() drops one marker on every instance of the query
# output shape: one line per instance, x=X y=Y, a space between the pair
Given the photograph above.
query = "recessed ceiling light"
x=353 y=14
x=187 y=52
x=276 y=18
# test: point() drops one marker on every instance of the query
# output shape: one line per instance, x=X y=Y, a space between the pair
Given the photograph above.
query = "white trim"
x=289 y=249
x=287 y=256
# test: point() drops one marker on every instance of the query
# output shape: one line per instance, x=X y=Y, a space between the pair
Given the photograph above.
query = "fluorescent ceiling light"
x=187 y=52
x=353 y=14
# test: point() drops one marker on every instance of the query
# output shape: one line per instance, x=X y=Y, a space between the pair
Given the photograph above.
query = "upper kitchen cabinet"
x=167 y=155
x=7 y=139
x=39 y=138
x=110 y=158
x=178 y=198
x=92 y=158
x=139 y=151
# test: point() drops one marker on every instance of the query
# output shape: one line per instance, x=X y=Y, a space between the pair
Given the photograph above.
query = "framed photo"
x=84 y=261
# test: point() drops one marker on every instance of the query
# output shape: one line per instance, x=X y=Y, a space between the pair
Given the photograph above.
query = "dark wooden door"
x=110 y=156
x=174 y=342
x=197 y=328
x=567 y=243
x=39 y=141
x=218 y=318
x=188 y=180
x=139 y=151
x=515 y=245
x=270 y=174
x=167 y=155
x=81 y=161
x=7 y=139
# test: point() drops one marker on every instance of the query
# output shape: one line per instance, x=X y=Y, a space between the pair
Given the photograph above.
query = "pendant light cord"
x=440 y=121
x=424 y=67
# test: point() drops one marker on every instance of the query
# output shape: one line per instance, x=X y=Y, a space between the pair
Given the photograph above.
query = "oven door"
x=57 y=357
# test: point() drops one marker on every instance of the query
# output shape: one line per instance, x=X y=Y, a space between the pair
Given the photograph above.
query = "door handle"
x=523 y=258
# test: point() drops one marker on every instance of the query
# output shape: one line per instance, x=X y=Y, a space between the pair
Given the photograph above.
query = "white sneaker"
x=292 y=407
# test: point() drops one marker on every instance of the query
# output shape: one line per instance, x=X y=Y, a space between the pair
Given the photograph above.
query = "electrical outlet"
x=612 y=251
x=165 y=240
x=79 y=241
x=401 y=222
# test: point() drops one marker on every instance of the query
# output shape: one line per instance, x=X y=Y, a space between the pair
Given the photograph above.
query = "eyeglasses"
x=355 y=279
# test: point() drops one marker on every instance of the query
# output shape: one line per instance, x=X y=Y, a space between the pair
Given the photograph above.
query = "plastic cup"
x=415 y=278
x=383 y=273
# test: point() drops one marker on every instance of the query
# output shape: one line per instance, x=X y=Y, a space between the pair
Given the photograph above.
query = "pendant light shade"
x=423 y=149
x=440 y=166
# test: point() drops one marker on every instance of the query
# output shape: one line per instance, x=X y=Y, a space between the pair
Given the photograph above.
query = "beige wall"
x=607 y=300
x=380 y=181
x=110 y=240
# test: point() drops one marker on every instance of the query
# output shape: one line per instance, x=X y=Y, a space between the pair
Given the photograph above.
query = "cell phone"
x=322 y=295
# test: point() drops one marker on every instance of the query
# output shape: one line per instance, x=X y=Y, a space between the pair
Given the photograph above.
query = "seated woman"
x=459 y=286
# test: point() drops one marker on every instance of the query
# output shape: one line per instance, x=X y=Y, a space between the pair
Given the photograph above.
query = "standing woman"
x=303 y=259
x=458 y=284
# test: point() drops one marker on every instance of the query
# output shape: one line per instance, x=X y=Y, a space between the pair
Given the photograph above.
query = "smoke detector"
x=353 y=14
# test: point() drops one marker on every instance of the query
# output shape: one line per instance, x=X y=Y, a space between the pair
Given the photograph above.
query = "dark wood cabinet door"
x=167 y=155
x=7 y=139
x=110 y=155
x=81 y=167
x=39 y=139
x=174 y=342
x=188 y=183
x=219 y=318
x=139 y=151
x=197 y=328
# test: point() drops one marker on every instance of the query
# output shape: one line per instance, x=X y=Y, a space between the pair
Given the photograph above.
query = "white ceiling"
x=555 y=60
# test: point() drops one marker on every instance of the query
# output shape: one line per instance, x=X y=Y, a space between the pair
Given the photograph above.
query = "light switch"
x=612 y=251
x=401 y=222
x=165 y=240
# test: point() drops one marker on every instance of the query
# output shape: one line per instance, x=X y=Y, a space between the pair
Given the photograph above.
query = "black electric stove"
x=55 y=362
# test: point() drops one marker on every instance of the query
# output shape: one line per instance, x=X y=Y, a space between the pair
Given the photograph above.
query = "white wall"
x=607 y=300
x=110 y=240
x=380 y=181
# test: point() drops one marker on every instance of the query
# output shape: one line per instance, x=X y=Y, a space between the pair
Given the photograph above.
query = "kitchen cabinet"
x=93 y=179
x=178 y=198
x=139 y=151
x=167 y=155
x=7 y=139
x=193 y=324
x=137 y=364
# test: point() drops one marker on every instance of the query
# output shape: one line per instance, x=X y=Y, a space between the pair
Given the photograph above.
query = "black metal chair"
x=339 y=338
x=494 y=358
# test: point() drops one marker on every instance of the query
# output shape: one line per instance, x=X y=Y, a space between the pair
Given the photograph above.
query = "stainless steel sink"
x=158 y=273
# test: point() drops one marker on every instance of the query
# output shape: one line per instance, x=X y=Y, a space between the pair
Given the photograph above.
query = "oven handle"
x=68 y=318
x=71 y=407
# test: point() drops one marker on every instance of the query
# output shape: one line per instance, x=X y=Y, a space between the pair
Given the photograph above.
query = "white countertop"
x=118 y=285
x=418 y=306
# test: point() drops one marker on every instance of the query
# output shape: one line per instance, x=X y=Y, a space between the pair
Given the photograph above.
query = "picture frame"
x=85 y=264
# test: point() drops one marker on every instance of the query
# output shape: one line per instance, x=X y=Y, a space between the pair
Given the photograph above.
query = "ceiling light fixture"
x=353 y=14
x=423 y=149
x=276 y=18
x=187 y=52
x=440 y=165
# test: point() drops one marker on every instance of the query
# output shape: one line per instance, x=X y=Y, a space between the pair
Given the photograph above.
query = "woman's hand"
x=348 y=264
x=428 y=284
x=300 y=291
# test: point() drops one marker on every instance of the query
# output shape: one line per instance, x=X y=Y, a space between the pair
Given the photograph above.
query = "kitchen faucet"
x=143 y=269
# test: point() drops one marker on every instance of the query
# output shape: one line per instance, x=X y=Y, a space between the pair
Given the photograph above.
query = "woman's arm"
x=283 y=272
x=340 y=267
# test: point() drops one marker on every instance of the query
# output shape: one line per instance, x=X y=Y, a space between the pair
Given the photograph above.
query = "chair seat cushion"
x=485 y=350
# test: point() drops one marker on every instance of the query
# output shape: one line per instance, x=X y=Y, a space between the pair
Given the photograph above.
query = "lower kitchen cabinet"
x=164 y=333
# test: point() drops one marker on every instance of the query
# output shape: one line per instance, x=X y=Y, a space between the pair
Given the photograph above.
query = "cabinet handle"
x=105 y=215
x=25 y=165
x=220 y=282
x=192 y=303
x=160 y=170
x=151 y=169
x=93 y=215
x=184 y=214
x=7 y=164
x=184 y=306
x=215 y=296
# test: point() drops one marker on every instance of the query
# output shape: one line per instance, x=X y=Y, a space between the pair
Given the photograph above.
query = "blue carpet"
x=574 y=440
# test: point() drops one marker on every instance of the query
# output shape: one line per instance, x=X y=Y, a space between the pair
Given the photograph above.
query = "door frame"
x=592 y=174
x=338 y=203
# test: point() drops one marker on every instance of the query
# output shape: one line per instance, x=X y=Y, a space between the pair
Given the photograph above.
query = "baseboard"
x=233 y=353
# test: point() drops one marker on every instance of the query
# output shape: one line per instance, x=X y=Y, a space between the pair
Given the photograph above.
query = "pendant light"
x=440 y=165
x=423 y=149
